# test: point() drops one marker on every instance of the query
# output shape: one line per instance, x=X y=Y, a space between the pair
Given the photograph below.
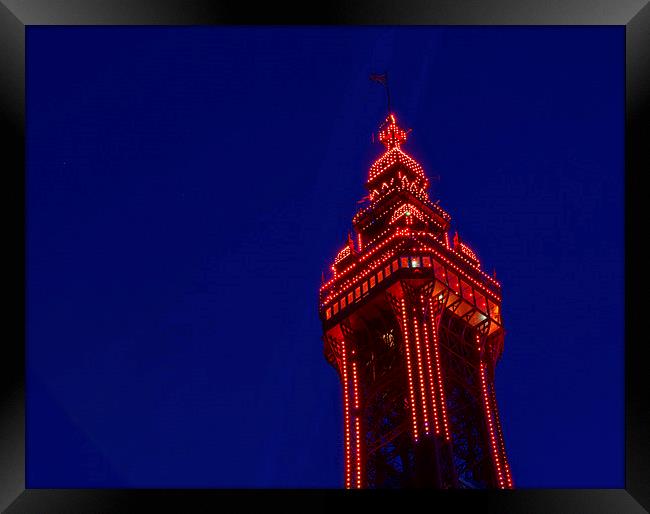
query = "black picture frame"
x=16 y=15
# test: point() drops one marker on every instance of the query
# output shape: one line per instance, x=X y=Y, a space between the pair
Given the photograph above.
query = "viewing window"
x=467 y=292
x=453 y=282
x=494 y=311
x=480 y=301
x=439 y=271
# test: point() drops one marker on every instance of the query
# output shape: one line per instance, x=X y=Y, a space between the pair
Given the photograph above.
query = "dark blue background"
x=186 y=186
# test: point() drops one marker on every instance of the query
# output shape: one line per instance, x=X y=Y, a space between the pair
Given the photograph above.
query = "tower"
x=412 y=324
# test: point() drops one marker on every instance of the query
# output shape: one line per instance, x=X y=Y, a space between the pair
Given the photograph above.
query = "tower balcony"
x=464 y=296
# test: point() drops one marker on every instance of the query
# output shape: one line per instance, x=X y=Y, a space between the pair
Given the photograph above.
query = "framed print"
x=272 y=252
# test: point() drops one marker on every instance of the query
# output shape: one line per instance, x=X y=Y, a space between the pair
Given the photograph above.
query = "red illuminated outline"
x=408 y=211
x=441 y=383
x=468 y=251
x=488 y=417
x=357 y=421
x=427 y=353
x=391 y=135
x=342 y=254
x=497 y=422
x=409 y=370
x=346 y=416
x=423 y=387
x=392 y=157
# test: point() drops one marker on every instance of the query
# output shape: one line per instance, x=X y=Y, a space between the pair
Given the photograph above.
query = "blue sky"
x=187 y=186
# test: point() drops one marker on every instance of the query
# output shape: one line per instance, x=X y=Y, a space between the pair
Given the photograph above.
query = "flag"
x=379 y=77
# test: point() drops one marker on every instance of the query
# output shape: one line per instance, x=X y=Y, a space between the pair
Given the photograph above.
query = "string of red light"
x=394 y=156
x=346 y=416
x=502 y=448
x=423 y=387
x=409 y=370
x=357 y=420
x=440 y=382
x=427 y=352
x=488 y=417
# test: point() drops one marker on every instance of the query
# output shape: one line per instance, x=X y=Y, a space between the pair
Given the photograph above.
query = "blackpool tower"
x=413 y=326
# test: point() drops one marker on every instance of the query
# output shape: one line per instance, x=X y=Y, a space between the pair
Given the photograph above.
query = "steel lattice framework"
x=413 y=326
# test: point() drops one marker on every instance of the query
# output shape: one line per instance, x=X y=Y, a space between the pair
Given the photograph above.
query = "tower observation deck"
x=413 y=326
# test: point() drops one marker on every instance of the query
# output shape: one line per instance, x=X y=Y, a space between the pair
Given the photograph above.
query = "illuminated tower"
x=413 y=326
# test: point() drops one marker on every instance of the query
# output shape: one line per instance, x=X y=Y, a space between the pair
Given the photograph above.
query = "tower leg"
x=493 y=425
x=355 y=406
x=346 y=356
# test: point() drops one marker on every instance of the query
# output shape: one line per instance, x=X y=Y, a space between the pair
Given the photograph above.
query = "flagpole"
x=383 y=80
x=387 y=91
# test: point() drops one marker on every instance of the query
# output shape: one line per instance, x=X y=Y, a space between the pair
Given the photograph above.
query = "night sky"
x=187 y=186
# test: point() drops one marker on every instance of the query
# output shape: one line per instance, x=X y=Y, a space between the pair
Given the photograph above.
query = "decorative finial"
x=391 y=134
